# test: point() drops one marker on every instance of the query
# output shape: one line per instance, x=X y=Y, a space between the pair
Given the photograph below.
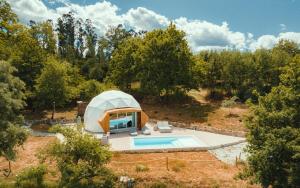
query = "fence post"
x=167 y=163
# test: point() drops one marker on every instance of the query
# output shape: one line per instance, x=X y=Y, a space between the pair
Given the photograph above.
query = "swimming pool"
x=166 y=142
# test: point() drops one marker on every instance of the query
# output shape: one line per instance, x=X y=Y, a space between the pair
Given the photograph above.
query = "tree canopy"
x=274 y=136
x=11 y=102
x=81 y=159
x=55 y=84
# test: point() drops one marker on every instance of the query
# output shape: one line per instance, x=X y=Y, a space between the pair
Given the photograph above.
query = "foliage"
x=57 y=83
x=166 y=62
x=110 y=42
x=141 y=168
x=177 y=165
x=8 y=26
x=43 y=33
x=229 y=102
x=7 y=19
x=91 y=88
x=66 y=36
x=243 y=74
x=81 y=159
x=28 y=58
x=32 y=177
x=158 y=185
x=11 y=102
x=274 y=136
x=124 y=63
x=94 y=69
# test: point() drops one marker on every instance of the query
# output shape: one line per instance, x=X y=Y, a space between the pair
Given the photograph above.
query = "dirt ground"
x=60 y=113
x=186 y=169
x=26 y=156
x=199 y=111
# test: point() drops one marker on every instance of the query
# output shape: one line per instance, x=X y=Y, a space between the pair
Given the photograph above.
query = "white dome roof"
x=107 y=100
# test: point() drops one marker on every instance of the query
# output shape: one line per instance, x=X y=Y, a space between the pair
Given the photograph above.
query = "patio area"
x=122 y=142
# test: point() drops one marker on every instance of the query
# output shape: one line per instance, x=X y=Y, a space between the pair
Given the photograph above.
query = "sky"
x=208 y=24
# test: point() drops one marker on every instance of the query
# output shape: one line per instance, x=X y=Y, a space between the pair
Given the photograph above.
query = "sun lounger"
x=146 y=131
x=164 y=127
x=133 y=132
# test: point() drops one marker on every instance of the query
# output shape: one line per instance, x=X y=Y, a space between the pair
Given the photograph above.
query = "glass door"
x=120 y=122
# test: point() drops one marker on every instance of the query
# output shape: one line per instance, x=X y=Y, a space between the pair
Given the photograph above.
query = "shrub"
x=32 y=177
x=81 y=160
x=176 y=166
x=158 y=185
x=91 y=88
x=141 y=168
x=6 y=184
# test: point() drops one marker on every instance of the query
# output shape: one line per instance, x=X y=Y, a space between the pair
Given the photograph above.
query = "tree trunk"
x=7 y=172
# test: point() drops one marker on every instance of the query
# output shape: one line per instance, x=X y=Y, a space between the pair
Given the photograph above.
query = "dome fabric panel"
x=107 y=100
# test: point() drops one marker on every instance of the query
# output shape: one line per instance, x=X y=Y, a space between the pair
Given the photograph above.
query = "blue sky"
x=239 y=24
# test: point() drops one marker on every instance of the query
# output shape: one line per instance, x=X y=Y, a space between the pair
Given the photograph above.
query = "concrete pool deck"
x=122 y=142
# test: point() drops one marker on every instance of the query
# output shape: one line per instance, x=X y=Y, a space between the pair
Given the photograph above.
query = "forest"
x=65 y=60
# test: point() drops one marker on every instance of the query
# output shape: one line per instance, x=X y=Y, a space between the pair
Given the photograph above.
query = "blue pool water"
x=166 y=142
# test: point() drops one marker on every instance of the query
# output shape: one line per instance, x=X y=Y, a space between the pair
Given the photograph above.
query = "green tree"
x=229 y=103
x=66 y=36
x=123 y=65
x=32 y=177
x=93 y=68
x=8 y=19
x=213 y=71
x=28 y=57
x=11 y=102
x=113 y=37
x=8 y=27
x=274 y=136
x=56 y=84
x=91 y=38
x=267 y=63
x=287 y=46
x=90 y=89
x=166 y=62
x=43 y=33
x=81 y=160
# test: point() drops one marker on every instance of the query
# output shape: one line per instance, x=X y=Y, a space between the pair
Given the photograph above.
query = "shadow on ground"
x=187 y=109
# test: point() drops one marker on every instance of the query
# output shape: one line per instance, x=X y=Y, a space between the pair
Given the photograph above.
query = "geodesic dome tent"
x=98 y=112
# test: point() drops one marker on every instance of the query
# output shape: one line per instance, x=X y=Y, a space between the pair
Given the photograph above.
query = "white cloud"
x=293 y=36
x=206 y=35
x=268 y=41
x=32 y=10
x=201 y=35
x=265 y=41
x=144 y=19
x=282 y=27
x=103 y=14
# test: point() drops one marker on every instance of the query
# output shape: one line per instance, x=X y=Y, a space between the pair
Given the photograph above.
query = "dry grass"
x=60 y=113
x=207 y=172
x=26 y=156
x=200 y=112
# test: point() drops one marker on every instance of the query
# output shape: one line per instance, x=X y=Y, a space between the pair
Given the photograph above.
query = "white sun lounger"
x=133 y=132
x=146 y=131
x=164 y=127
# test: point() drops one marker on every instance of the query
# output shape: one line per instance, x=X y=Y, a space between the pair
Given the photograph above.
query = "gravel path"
x=229 y=154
